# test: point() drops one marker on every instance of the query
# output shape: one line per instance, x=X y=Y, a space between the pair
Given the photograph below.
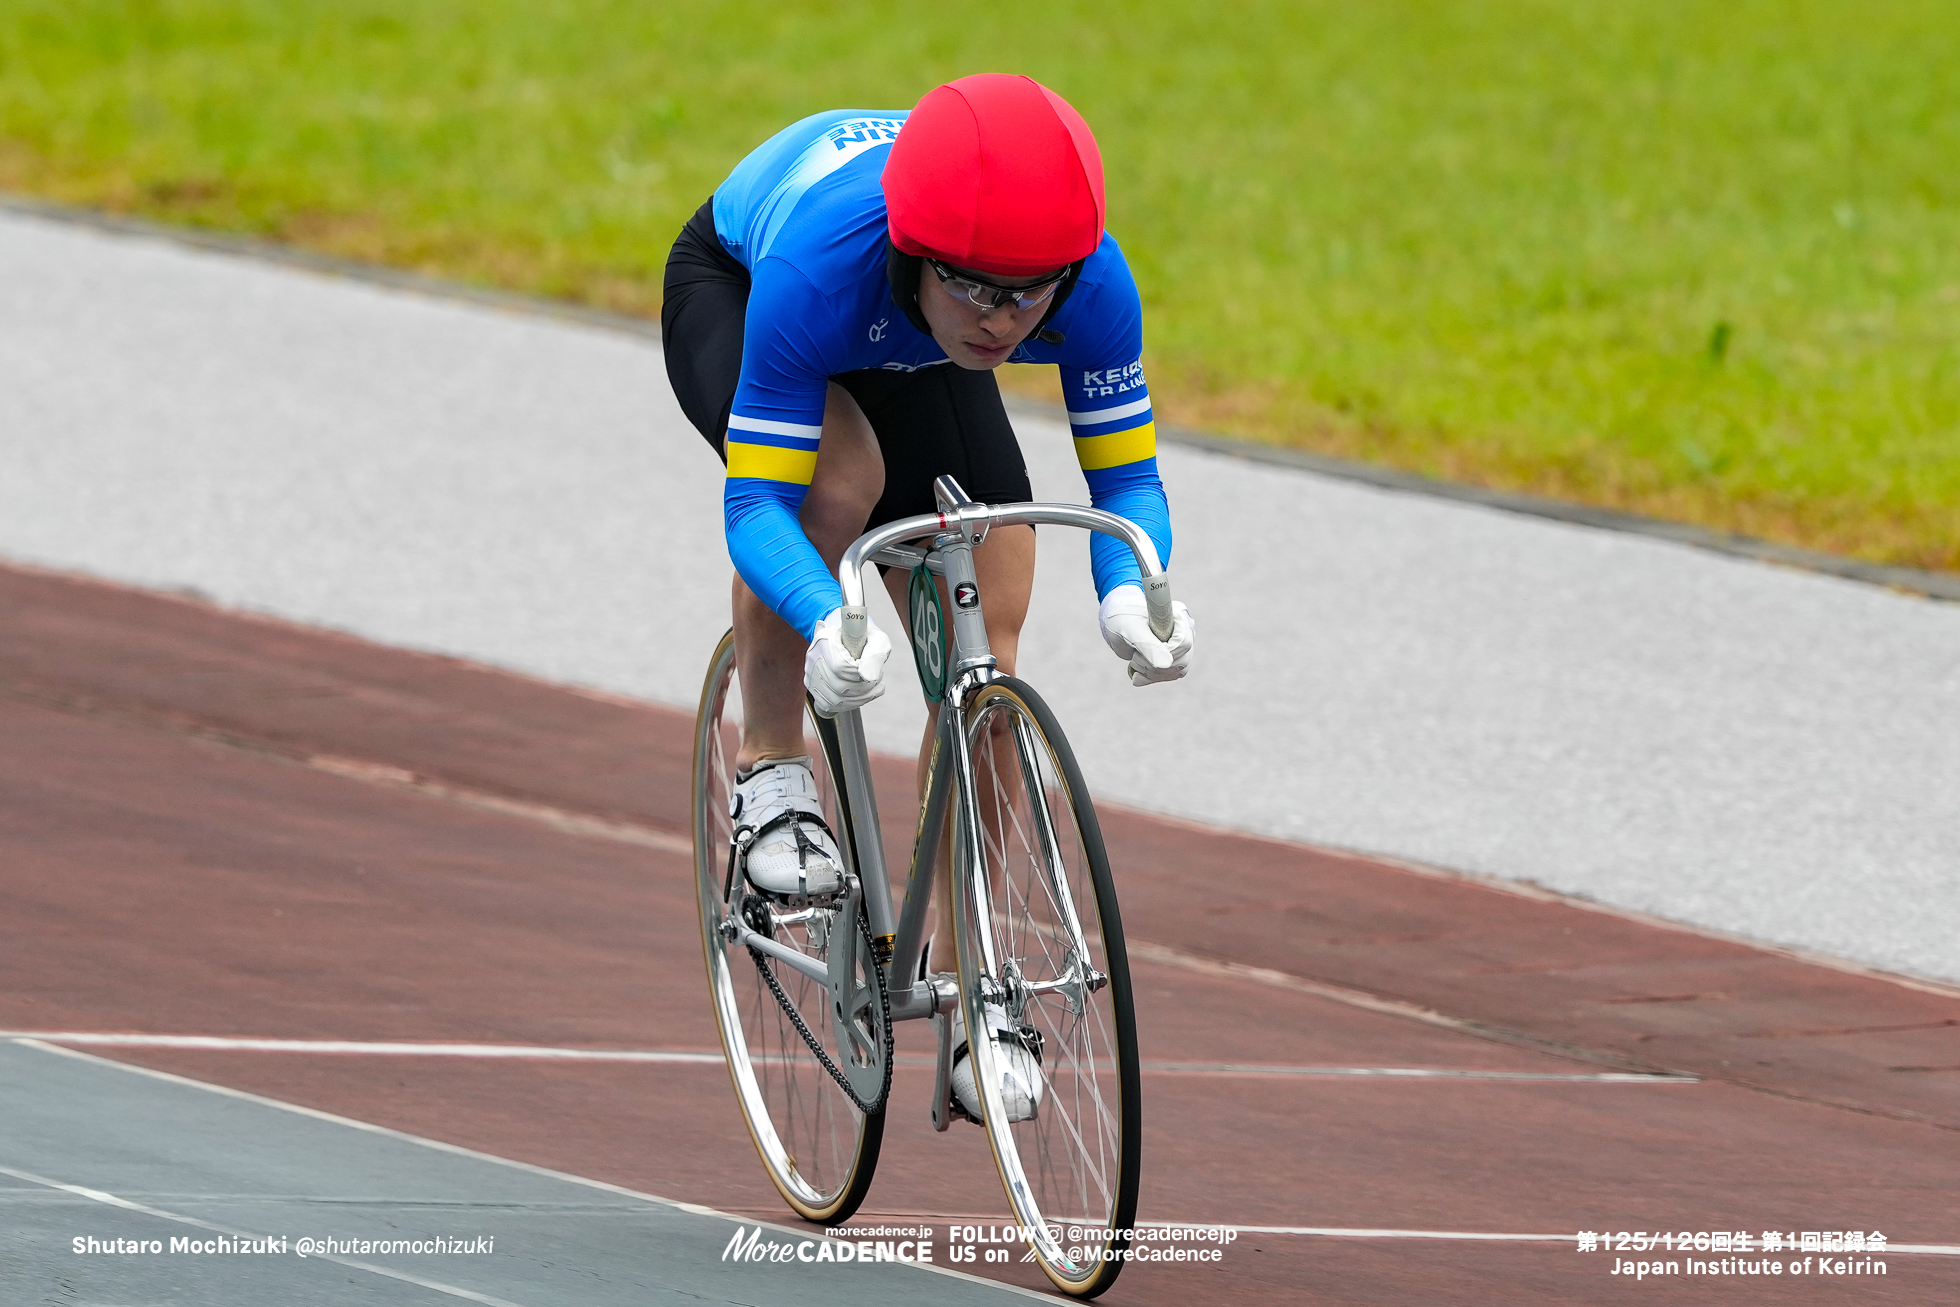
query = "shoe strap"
x=1008 y=1036
x=801 y=799
x=796 y=810
x=794 y=817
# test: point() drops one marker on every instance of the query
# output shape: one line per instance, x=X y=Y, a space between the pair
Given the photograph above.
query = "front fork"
x=956 y=775
x=997 y=982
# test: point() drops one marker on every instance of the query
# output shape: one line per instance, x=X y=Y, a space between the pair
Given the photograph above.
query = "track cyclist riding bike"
x=832 y=319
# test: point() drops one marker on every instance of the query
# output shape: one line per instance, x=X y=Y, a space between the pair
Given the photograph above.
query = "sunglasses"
x=991 y=295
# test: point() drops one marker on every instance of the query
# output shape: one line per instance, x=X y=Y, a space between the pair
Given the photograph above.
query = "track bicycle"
x=806 y=992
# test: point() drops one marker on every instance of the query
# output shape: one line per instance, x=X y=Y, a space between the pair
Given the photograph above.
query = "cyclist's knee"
x=849 y=476
x=835 y=512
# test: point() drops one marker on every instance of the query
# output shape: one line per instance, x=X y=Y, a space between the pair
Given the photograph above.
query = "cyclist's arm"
x=1120 y=464
x=773 y=429
x=1110 y=417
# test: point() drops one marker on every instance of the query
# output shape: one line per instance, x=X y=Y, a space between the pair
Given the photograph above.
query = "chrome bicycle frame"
x=943 y=542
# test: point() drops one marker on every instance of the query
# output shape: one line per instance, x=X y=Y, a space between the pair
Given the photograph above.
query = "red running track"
x=219 y=825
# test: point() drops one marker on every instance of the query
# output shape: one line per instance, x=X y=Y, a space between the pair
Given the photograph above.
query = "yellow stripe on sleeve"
x=1117 y=448
x=771 y=462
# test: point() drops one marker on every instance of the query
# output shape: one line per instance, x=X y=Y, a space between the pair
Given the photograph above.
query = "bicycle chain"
x=816 y=1046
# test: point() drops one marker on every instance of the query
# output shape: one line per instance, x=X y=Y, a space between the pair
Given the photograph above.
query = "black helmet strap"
x=1055 y=302
x=902 y=273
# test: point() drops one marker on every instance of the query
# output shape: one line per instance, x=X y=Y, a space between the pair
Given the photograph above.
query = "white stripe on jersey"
x=1108 y=414
x=768 y=428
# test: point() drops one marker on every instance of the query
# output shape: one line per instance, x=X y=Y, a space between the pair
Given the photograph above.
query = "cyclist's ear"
x=902 y=272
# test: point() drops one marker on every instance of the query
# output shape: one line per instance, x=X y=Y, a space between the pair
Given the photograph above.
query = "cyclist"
x=832 y=318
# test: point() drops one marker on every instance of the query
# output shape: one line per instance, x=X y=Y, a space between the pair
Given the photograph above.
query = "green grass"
x=1698 y=258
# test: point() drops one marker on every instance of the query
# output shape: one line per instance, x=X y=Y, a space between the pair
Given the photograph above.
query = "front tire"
x=1039 y=934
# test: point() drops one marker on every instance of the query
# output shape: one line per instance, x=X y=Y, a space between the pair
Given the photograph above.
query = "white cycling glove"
x=1126 y=629
x=837 y=681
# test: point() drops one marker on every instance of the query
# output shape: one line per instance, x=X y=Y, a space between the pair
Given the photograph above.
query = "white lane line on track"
x=1335 y=1232
x=457 y=1150
x=1327 y=1231
x=1165 y=955
x=1253 y=1069
x=572 y=823
x=112 y=1200
x=372 y=1047
x=379 y=1048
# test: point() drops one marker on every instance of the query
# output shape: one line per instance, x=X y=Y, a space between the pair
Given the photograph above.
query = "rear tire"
x=818 y=1148
x=1078 y=1160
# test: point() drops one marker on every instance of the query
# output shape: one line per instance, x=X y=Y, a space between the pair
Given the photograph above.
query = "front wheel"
x=1040 y=941
x=818 y=1147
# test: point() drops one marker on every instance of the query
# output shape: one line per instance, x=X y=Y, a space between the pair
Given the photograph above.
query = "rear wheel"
x=1041 y=939
x=818 y=1147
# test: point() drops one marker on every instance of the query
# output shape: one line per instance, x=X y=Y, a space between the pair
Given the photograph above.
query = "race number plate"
x=928 y=635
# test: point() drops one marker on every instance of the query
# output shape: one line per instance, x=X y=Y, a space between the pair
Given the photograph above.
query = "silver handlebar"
x=960 y=515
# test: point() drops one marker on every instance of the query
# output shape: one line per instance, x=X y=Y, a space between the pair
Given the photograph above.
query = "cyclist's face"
x=974 y=337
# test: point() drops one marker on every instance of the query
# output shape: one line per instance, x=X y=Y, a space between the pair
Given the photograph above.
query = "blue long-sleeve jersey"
x=805 y=214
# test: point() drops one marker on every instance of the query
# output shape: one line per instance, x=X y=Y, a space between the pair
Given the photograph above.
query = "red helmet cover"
x=995 y=173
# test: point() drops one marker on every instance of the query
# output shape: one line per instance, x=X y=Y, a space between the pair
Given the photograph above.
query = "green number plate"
x=928 y=635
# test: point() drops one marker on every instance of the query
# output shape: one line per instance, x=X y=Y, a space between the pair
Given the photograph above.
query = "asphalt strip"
x=1932 y=585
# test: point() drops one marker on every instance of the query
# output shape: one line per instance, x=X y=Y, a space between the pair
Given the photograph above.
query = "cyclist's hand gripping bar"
x=973 y=520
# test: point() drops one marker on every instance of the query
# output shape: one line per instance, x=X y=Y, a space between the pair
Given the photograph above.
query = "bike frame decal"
x=928 y=634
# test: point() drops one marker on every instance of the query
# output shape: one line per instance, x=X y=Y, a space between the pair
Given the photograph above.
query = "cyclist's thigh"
x=701 y=326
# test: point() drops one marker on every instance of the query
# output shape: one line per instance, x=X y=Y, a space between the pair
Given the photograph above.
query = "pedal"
x=945 y=1103
x=942 y=1080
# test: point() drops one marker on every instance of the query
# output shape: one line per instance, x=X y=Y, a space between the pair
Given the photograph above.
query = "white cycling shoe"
x=1017 y=1055
x=791 y=853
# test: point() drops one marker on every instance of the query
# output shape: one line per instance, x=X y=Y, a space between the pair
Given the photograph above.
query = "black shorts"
x=938 y=420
